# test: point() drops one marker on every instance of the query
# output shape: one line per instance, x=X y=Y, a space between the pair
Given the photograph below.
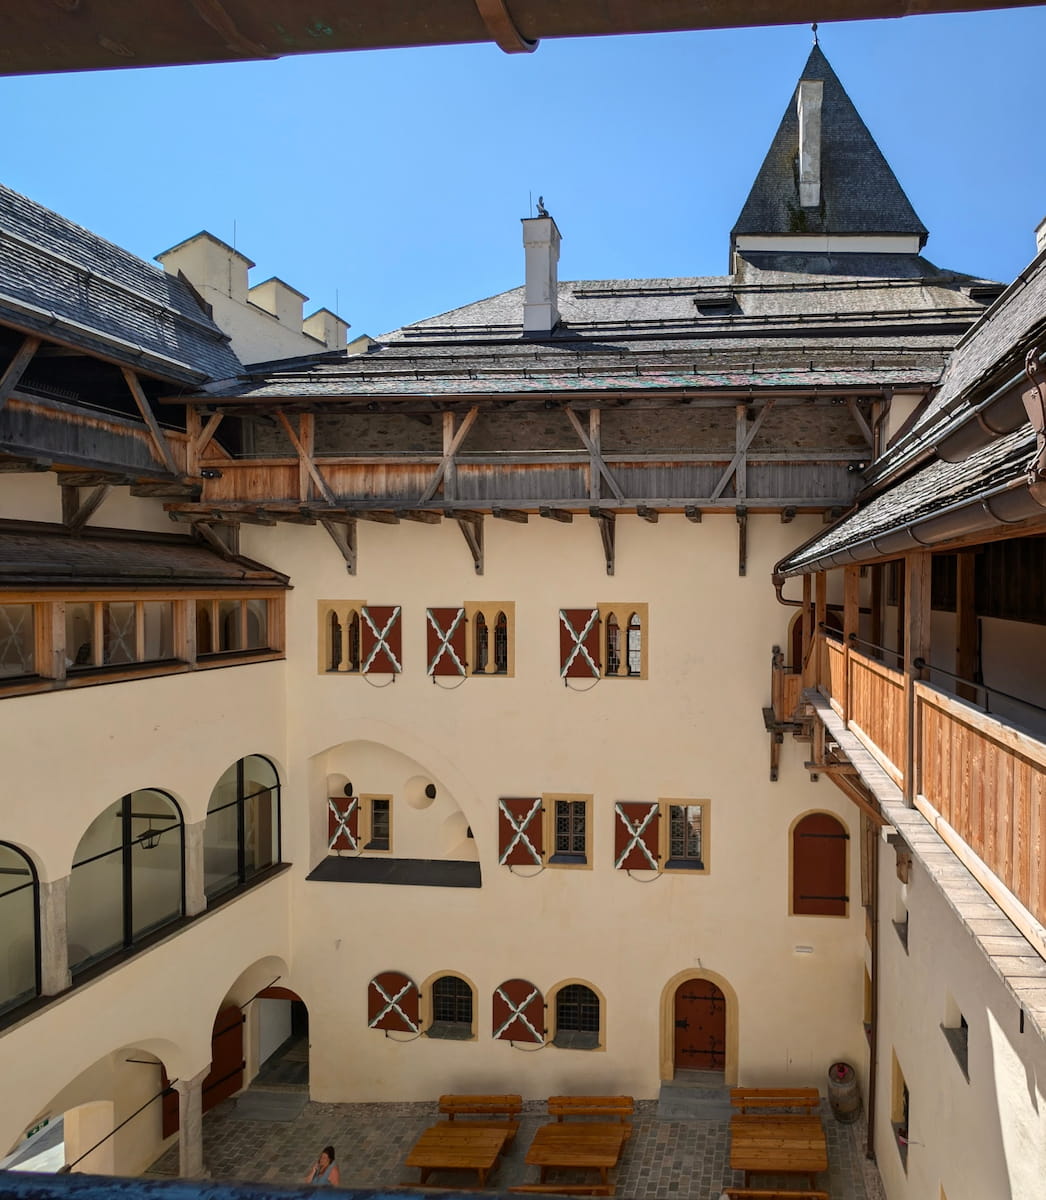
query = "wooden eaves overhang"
x=573 y=473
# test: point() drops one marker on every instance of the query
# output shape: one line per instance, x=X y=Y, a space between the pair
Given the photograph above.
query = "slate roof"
x=932 y=489
x=767 y=326
x=69 y=284
x=41 y=555
x=859 y=192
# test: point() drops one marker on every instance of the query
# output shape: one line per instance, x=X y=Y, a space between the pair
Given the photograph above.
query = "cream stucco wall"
x=691 y=730
x=975 y=1137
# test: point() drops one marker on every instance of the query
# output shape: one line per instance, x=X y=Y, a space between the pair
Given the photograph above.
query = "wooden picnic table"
x=587 y=1146
x=455 y=1147
x=777 y=1143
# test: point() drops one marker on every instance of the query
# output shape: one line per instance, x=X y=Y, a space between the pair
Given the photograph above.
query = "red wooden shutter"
x=445 y=639
x=225 y=1078
x=579 y=643
x=519 y=1012
x=343 y=823
x=392 y=1002
x=636 y=828
x=520 y=832
x=819 y=850
x=380 y=639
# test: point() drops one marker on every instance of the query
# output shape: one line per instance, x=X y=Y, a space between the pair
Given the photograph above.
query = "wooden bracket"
x=16 y=367
x=76 y=514
x=343 y=535
x=647 y=514
x=472 y=531
x=787 y=515
x=163 y=447
x=224 y=539
x=692 y=513
x=556 y=514
x=606 y=532
x=510 y=514
x=597 y=464
x=452 y=439
x=421 y=515
x=742 y=540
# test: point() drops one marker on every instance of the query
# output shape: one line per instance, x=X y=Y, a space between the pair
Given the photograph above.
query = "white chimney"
x=326 y=327
x=1040 y=236
x=279 y=299
x=809 y=105
x=541 y=243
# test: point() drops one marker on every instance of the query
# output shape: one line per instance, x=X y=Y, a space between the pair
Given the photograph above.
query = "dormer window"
x=718 y=303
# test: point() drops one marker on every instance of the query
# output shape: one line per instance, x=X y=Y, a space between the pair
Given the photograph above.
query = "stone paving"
x=673 y=1159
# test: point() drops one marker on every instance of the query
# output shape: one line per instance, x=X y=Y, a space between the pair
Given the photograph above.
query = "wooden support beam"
x=472 y=531
x=860 y=422
x=787 y=515
x=692 y=513
x=15 y=369
x=965 y=623
x=556 y=514
x=227 y=543
x=343 y=535
x=855 y=790
x=162 y=445
x=92 y=478
x=421 y=515
x=510 y=514
x=916 y=646
x=306 y=459
x=647 y=514
x=595 y=437
x=172 y=489
x=851 y=629
x=307 y=438
x=207 y=434
x=744 y=436
x=452 y=440
x=295 y=518
x=244 y=516
x=76 y=514
x=11 y=464
x=742 y=540
x=607 y=527
x=597 y=464
x=379 y=516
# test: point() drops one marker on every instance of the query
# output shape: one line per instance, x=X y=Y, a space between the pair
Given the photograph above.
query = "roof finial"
x=814 y=28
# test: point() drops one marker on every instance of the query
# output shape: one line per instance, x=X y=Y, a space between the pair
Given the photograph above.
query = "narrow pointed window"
x=613 y=655
x=635 y=645
x=482 y=644
x=501 y=645
x=334 y=634
x=354 y=640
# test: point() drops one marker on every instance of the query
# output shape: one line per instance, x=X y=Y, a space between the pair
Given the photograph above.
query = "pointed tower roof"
x=859 y=195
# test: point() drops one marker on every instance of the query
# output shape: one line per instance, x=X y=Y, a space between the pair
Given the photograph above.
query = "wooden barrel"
x=844 y=1093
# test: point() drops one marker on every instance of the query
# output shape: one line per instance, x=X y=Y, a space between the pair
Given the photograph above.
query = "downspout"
x=873 y=1041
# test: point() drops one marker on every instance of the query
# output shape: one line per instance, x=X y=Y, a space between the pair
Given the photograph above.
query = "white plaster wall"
x=274 y=1026
x=985 y=1137
x=38 y=497
x=692 y=730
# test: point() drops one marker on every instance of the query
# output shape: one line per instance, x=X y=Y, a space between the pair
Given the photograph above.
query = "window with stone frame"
x=604 y=641
x=452 y=1005
x=578 y=1018
x=568 y=830
x=491 y=637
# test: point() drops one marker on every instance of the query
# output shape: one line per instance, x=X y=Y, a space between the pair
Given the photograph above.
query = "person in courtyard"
x=324 y=1172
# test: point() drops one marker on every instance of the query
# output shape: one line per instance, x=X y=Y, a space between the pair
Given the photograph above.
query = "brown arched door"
x=700 y=1027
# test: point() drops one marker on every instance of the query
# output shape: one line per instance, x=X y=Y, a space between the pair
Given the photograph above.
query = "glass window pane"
x=156 y=861
x=257 y=624
x=119 y=631
x=204 y=632
x=258 y=774
x=259 y=832
x=220 y=864
x=79 y=635
x=158 y=619
x=16 y=640
x=103 y=834
x=229 y=633
x=95 y=909
x=685 y=832
x=17 y=929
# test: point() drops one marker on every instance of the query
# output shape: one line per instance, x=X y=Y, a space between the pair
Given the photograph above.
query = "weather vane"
x=814 y=28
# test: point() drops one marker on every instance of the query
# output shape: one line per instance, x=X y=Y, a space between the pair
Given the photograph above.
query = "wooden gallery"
x=646 y=670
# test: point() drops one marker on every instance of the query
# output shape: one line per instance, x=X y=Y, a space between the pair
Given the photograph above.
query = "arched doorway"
x=699 y=1026
x=699 y=1012
x=281 y=1031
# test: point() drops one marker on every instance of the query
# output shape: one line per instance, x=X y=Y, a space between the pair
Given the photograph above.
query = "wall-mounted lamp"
x=430 y=791
x=348 y=789
x=210 y=473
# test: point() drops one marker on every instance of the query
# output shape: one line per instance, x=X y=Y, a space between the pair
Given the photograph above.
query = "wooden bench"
x=732 y=1193
x=497 y=1112
x=604 y=1107
x=566 y=1189
x=746 y=1098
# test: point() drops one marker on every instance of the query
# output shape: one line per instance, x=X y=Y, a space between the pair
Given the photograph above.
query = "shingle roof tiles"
x=58 y=278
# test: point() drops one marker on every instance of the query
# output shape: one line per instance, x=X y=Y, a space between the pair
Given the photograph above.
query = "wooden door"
x=700 y=1027
x=226 y=1075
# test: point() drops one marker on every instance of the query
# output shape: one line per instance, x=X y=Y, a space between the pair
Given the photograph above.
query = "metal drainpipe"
x=873 y=1046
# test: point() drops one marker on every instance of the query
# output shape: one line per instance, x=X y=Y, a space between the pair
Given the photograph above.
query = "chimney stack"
x=541 y=301
x=809 y=105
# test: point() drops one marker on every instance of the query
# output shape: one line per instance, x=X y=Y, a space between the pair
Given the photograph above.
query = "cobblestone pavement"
x=678 y=1160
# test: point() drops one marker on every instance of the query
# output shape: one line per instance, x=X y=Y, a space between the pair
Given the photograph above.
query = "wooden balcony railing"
x=980 y=781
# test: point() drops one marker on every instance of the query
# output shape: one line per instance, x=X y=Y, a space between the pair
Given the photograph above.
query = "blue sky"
x=389 y=184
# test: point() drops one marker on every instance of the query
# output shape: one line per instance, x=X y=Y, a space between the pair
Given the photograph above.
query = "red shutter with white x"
x=445 y=638
x=392 y=1003
x=636 y=836
x=343 y=823
x=519 y=1012
x=520 y=834
x=579 y=643
x=380 y=640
